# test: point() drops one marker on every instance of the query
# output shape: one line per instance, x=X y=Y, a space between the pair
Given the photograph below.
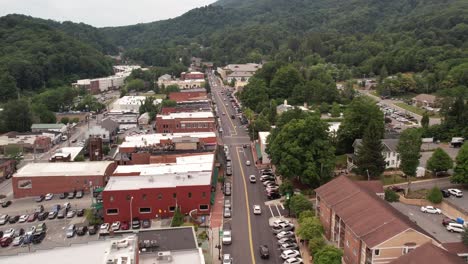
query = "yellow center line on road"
x=246 y=205
x=227 y=113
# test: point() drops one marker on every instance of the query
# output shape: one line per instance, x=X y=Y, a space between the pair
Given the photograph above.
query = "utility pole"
x=368 y=176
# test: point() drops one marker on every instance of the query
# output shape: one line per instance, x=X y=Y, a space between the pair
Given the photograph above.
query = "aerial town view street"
x=234 y=131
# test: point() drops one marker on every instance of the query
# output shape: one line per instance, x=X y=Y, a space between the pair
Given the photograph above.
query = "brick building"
x=155 y=190
x=7 y=168
x=366 y=227
x=185 y=122
x=188 y=96
x=192 y=75
x=40 y=178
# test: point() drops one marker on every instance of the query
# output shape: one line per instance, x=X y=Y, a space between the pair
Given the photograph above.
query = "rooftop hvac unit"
x=165 y=256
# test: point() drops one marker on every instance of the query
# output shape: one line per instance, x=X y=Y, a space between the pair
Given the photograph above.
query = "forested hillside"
x=37 y=54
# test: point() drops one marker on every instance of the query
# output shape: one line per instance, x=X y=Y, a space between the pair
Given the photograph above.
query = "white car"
x=31 y=230
x=455 y=227
x=252 y=179
x=227 y=259
x=23 y=218
x=49 y=196
x=430 y=209
x=287 y=254
x=115 y=226
x=284 y=234
x=293 y=261
x=247 y=162
x=9 y=232
x=257 y=210
x=455 y=192
x=227 y=237
x=71 y=214
x=279 y=222
x=104 y=229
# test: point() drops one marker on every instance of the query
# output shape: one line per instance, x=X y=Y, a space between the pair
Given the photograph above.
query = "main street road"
x=249 y=231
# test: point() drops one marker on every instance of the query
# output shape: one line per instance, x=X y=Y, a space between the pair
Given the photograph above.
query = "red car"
x=32 y=217
x=447 y=221
x=6 y=241
x=124 y=226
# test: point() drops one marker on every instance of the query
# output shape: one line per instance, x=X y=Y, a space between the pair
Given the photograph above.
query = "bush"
x=92 y=218
x=316 y=244
x=177 y=219
x=306 y=214
x=299 y=203
x=434 y=195
x=391 y=196
x=328 y=255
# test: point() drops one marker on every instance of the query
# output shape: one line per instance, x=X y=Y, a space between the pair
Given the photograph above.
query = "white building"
x=238 y=72
x=98 y=131
x=392 y=157
x=262 y=142
x=129 y=104
x=286 y=107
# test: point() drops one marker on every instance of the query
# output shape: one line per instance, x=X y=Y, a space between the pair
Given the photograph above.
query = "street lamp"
x=131 y=213
x=288 y=196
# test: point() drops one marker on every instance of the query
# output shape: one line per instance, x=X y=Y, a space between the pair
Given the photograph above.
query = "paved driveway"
x=429 y=222
x=460 y=202
x=452 y=152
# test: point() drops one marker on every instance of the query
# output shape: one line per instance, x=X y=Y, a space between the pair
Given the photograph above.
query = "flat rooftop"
x=187 y=115
x=152 y=139
x=84 y=168
x=263 y=137
x=185 y=164
x=64 y=152
x=169 y=180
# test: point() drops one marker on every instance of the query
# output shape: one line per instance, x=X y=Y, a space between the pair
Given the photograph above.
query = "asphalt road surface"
x=249 y=231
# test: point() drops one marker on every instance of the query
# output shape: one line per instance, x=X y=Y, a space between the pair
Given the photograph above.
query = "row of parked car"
x=268 y=180
x=284 y=232
x=20 y=237
x=70 y=195
x=57 y=211
x=445 y=193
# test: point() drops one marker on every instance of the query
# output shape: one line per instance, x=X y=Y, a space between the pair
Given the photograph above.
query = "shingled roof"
x=428 y=253
x=370 y=217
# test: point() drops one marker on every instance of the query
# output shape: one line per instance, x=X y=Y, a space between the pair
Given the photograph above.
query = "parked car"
x=40 y=198
x=49 y=196
x=23 y=218
x=18 y=232
x=283 y=227
x=447 y=221
x=62 y=213
x=4 y=219
x=286 y=240
x=14 y=219
x=227 y=203
x=52 y=215
x=79 y=194
x=6 y=203
x=71 y=214
x=42 y=216
x=6 y=241
x=80 y=212
x=124 y=226
x=455 y=227
x=445 y=193
x=18 y=241
x=227 y=191
x=227 y=259
x=227 y=237
x=257 y=210
x=27 y=240
x=32 y=217
x=146 y=223
x=455 y=192
x=264 y=251
x=42 y=227
x=31 y=230
x=227 y=212
x=115 y=226
x=252 y=179
x=295 y=260
x=136 y=223
x=287 y=254
x=71 y=195
x=71 y=231
x=430 y=209
x=267 y=177
x=283 y=234
x=279 y=222
x=38 y=237
x=63 y=195
x=9 y=232
x=92 y=229
x=289 y=246
x=81 y=230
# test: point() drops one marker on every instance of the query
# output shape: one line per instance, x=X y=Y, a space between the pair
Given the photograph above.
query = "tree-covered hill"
x=36 y=53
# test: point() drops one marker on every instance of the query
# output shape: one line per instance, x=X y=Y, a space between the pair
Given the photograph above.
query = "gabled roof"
x=428 y=253
x=456 y=248
x=369 y=217
x=390 y=144
x=425 y=98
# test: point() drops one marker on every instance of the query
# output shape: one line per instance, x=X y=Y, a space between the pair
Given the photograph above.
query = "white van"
x=455 y=227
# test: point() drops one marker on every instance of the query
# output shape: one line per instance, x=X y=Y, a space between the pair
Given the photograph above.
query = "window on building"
x=143 y=197
x=145 y=210
x=189 y=195
x=203 y=207
x=112 y=211
x=174 y=195
x=159 y=196
x=171 y=208
x=111 y=198
x=393 y=162
x=24 y=184
x=407 y=250
x=377 y=252
x=129 y=197
x=203 y=195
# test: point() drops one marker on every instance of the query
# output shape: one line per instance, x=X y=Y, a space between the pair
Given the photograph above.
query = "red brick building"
x=185 y=122
x=7 y=168
x=158 y=188
x=192 y=75
x=40 y=178
x=187 y=96
x=366 y=227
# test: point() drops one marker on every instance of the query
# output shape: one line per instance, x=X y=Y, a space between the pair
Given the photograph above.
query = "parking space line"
x=271 y=211
x=279 y=213
x=282 y=206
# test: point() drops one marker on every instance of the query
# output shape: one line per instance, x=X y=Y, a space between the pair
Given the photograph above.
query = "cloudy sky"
x=101 y=13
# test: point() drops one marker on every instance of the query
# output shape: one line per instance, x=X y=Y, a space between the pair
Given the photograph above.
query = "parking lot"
x=432 y=223
x=461 y=202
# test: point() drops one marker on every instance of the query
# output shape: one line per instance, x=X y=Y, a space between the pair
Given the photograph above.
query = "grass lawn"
x=415 y=109
x=417 y=194
x=392 y=179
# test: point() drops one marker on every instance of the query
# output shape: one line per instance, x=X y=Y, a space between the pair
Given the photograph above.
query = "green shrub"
x=434 y=195
x=391 y=196
x=316 y=244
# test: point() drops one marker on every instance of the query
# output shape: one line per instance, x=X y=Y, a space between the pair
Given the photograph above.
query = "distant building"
x=180 y=97
x=429 y=253
x=107 y=130
x=129 y=104
x=28 y=142
x=49 y=127
x=261 y=147
x=185 y=122
x=125 y=120
x=36 y=179
x=66 y=154
x=390 y=153
x=81 y=116
x=144 y=119
x=188 y=106
x=192 y=76
x=286 y=107
x=425 y=100
x=238 y=72
x=99 y=85
x=7 y=168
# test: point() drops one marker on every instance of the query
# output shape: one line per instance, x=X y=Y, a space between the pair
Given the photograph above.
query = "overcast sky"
x=101 y=13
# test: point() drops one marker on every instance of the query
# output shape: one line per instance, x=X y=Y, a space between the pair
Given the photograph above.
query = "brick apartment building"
x=40 y=178
x=185 y=122
x=366 y=227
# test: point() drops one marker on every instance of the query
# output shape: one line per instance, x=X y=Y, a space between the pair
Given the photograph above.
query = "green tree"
x=304 y=215
x=391 y=196
x=136 y=85
x=65 y=120
x=299 y=203
x=123 y=92
x=465 y=236
x=284 y=81
x=360 y=112
x=106 y=149
x=301 y=148
x=17 y=116
x=434 y=195
x=408 y=147
x=254 y=95
x=286 y=187
x=172 y=88
x=328 y=255
x=370 y=161
x=75 y=120
x=335 y=110
x=8 y=89
x=168 y=103
x=178 y=218
x=425 y=120
x=309 y=228
x=460 y=173
x=439 y=161
x=316 y=244
x=42 y=114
